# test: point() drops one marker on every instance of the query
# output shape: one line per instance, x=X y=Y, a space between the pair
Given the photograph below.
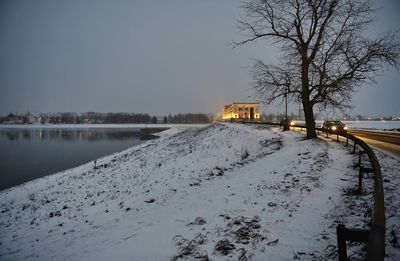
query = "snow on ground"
x=391 y=169
x=223 y=192
x=360 y=206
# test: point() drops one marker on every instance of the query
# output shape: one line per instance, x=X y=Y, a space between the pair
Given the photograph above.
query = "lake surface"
x=28 y=153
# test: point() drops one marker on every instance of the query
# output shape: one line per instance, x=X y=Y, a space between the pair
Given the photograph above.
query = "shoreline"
x=265 y=192
x=91 y=162
x=88 y=126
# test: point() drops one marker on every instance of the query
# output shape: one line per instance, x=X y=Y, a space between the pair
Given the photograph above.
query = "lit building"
x=242 y=112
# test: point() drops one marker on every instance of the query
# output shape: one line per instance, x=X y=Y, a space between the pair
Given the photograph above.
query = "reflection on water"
x=30 y=153
x=15 y=134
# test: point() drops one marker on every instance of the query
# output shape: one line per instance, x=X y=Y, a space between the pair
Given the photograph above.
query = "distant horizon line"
x=343 y=115
x=74 y=112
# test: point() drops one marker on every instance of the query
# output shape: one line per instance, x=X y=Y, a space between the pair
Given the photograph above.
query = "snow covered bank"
x=222 y=192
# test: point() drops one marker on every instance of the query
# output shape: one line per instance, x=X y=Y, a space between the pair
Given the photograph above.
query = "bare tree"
x=273 y=83
x=326 y=53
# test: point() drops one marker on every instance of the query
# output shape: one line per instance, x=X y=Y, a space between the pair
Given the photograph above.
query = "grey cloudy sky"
x=143 y=56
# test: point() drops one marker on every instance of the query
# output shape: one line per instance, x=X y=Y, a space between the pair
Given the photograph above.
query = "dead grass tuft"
x=224 y=246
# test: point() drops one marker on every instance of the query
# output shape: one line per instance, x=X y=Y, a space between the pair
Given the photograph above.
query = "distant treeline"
x=128 y=118
x=105 y=118
x=188 y=118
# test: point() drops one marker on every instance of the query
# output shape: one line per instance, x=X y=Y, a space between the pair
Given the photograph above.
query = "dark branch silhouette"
x=326 y=54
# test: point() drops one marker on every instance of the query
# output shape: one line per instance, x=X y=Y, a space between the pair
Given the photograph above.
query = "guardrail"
x=375 y=236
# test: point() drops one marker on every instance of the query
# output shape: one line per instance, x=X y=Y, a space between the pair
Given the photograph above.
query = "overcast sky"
x=143 y=56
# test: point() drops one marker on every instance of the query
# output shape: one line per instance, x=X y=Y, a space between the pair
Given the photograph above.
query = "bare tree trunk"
x=309 y=118
x=326 y=55
x=307 y=105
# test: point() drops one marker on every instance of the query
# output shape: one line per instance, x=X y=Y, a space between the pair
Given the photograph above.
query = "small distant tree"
x=154 y=119
x=165 y=120
x=10 y=116
x=326 y=51
x=170 y=118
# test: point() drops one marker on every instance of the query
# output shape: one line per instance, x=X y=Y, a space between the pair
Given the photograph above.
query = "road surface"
x=387 y=141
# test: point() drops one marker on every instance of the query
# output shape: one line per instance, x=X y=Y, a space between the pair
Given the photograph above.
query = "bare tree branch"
x=325 y=54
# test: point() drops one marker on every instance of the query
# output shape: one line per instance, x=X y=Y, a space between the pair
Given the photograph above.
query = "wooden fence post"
x=341 y=242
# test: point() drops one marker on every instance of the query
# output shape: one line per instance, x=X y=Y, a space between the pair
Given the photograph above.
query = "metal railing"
x=375 y=236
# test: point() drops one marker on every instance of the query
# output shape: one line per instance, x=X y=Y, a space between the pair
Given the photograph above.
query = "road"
x=387 y=141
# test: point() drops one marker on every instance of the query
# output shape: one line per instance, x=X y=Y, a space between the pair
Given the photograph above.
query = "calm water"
x=31 y=153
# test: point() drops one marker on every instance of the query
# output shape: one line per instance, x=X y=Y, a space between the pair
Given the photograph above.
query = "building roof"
x=240 y=103
x=246 y=103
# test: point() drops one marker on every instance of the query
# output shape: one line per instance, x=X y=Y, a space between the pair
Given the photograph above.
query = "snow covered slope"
x=223 y=192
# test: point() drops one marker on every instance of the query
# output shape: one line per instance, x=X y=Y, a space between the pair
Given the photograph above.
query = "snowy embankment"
x=224 y=192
